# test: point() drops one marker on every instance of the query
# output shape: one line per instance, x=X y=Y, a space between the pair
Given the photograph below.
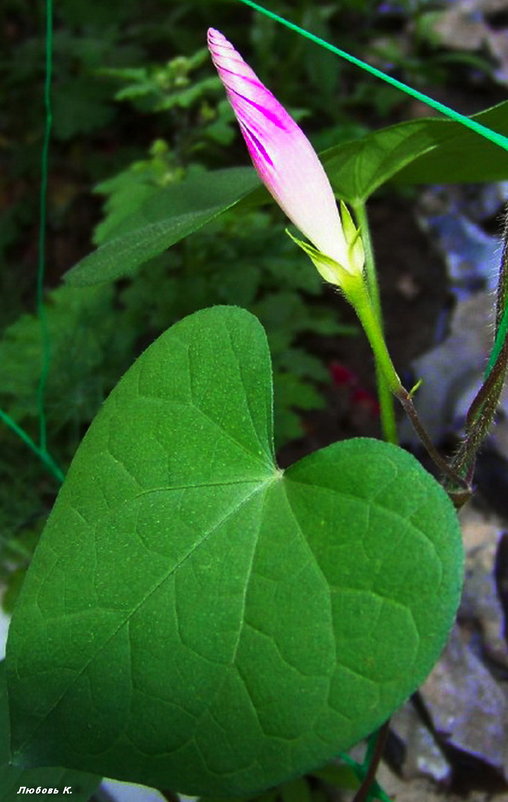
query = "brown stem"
x=362 y=793
x=458 y=482
x=483 y=409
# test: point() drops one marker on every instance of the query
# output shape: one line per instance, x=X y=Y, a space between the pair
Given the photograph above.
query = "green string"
x=483 y=130
x=43 y=455
x=41 y=310
x=40 y=449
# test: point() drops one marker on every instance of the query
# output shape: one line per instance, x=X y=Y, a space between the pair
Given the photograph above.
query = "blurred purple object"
x=471 y=254
x=452 y=216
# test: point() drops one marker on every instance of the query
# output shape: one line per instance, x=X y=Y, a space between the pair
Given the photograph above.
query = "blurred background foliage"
x=137 y=106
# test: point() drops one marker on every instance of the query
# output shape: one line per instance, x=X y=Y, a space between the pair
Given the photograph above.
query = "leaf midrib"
x=262 y=486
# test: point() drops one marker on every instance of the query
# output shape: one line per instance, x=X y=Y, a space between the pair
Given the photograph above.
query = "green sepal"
x=355 y=290
x=328 y=268
x=356 y=252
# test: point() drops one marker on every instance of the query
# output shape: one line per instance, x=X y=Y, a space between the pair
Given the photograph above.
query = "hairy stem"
x=458 y=487
x=482 y=411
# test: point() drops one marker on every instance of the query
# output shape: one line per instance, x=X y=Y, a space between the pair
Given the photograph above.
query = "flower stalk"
x=359 y=297
x=385 y=395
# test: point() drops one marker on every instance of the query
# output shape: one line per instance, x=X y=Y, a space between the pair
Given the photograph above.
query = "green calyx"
x=351 y=281
x=345 y=275
x=328 y=268
x=355 y=250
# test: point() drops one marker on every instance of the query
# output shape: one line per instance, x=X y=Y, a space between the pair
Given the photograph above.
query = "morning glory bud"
x=290 y=169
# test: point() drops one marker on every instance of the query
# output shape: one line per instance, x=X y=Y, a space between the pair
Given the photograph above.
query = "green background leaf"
x=463 y=156
x=196 y=619
x=418 y=151
x=169 y=216
x=12 y=777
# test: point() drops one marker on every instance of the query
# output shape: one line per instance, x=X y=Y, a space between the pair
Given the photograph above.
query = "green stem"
x=386 y=411
x=388 y=382
x=360 y=211
x=374 y=332
x=384 y=392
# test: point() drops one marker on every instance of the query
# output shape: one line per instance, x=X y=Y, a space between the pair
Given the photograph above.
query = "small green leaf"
x=165 y=218
x=13 y=778
x=197 y=619
x=418 y=151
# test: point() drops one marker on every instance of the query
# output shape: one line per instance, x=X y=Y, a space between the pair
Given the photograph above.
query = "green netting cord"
x=40 y=449
x=483 y=130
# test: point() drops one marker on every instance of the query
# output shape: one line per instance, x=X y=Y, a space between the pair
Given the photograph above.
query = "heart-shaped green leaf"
x=197 y=619
x=12 y=779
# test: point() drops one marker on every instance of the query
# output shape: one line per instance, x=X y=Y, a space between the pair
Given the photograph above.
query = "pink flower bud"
x=282 y=155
